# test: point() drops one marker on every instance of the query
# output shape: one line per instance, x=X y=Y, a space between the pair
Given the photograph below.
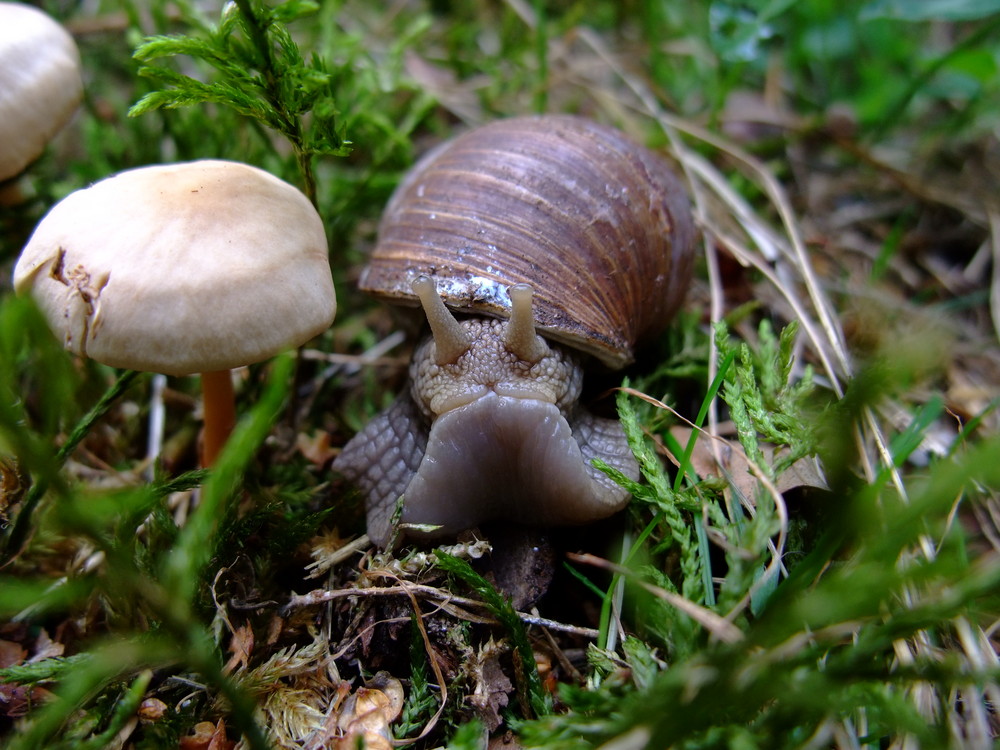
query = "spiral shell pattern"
x=600 y=227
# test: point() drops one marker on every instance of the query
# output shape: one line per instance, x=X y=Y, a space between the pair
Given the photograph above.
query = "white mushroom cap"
x=40 y=84
x=181 y=268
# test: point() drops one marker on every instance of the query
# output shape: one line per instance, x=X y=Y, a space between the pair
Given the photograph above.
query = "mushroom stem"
x=219 y=408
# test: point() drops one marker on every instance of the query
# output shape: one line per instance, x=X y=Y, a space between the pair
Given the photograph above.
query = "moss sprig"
x=763 y=400
x=668 y=503
x=262 y=74
x=533 y=697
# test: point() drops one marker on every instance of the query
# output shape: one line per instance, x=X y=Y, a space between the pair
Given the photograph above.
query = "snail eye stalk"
x=519 y=334
x=450 y=340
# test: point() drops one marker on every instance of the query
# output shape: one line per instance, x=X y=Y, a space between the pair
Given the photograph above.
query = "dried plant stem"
x=435 y=666
x=320 y=596
x=994 y=240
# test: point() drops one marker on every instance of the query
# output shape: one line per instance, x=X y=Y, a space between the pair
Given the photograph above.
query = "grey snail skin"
x=537 y=247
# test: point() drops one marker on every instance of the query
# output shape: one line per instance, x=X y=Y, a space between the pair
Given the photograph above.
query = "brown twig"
x=320 y=596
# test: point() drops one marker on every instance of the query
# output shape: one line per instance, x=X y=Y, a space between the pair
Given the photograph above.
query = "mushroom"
x=184 y=268
x=40 y=84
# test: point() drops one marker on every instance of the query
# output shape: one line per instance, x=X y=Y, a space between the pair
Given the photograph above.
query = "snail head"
x=465 y=359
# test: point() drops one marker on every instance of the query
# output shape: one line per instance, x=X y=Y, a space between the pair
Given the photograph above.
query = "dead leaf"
x=240 y=646
x=152 y=710
x=327 y=735
x=316 y=447
x=459 y=97
x=505 y=741
x=367 y=714
x=46 y=648
x=748 y=116
x=17 y=700
x=493 y=688
x=11 y=653
x=207 y=736
x=11 y=487
x=733 y=465
x=328 y=549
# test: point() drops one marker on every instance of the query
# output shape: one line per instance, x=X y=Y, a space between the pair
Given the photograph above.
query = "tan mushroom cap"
x=181 y=268
x=40 y=84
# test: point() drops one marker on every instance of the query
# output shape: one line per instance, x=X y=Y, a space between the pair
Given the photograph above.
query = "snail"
x=557 y=243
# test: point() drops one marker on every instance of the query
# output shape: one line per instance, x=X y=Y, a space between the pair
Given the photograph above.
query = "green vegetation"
x=811 y=558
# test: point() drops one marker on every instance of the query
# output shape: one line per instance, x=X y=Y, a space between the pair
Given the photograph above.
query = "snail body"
x=550 y=225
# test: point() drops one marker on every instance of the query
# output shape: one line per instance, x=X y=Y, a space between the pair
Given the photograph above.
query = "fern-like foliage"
x=261 y=74
x=824 y=648
x=763 y=401
x=666 y=502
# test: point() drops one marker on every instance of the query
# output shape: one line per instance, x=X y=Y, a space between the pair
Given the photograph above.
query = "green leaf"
x=46 y=670
x=930 y=10
x=468 y=736
x=42 y=596
x=33 y=360
x=21 y=528
x=169 y=46
x=737 y=33
x=90 y=674
x=907 y=441
x=293 y=10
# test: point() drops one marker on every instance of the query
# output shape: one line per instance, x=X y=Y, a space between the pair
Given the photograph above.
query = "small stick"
x=319 y=596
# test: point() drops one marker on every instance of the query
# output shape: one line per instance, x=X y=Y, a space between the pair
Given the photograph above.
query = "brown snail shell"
x=599 y=226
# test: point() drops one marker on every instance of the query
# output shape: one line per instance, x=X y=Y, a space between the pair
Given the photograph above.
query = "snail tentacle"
x=450 y=341
x=519 y=334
